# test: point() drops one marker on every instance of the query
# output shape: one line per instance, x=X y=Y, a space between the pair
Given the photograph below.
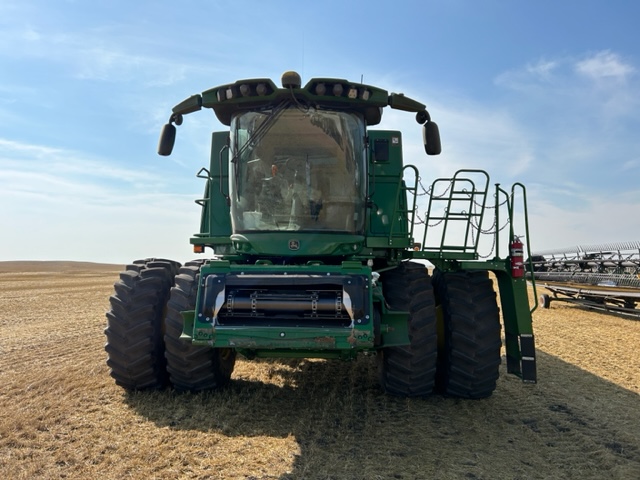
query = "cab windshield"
x=297 y=169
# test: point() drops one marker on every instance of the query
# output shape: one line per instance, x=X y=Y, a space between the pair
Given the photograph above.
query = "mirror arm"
x=176 y=118
x=168 y=135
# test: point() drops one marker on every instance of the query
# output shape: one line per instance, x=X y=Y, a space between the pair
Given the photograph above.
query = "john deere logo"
x=294 y=244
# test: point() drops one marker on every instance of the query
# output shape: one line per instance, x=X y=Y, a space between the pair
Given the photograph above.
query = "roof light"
x=365 y=94
x=220 y=95
x=245 y=90
x=229 y=93
x=261 y=89
x=353 y=93
x=321 y=89
x=337 y=89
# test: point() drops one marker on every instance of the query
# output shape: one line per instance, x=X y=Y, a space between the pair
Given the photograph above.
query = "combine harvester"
x=309 y=215
x=603 y=277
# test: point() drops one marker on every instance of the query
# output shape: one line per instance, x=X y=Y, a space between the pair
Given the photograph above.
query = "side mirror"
x=168 y=134
x=431 y=138
x=167 y=140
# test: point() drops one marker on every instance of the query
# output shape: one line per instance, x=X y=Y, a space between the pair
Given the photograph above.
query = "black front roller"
x=192 y=368
x=135 y=347
x=410 y=370
x=469 y=355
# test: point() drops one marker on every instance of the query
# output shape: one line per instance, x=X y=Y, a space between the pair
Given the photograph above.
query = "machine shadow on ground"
x=346 y=427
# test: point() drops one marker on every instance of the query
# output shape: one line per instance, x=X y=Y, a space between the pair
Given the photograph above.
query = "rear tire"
x=410 y=370
x=470 y=357
x=135 y=348
x=192 y=368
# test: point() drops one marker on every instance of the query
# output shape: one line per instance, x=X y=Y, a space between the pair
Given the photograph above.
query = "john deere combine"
x=319 y=250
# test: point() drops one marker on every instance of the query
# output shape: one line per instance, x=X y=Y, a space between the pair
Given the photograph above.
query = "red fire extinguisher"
x=516 y=253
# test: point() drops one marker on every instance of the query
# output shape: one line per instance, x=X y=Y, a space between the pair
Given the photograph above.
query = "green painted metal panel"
x=260 y=336
x=394 y=328
x=290 y=243
x=388 y=215
x=215 y=220
x=518 y=326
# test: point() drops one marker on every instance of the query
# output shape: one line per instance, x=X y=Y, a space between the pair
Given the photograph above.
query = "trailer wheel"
x=469 y=358
x=545 y=300
x=410 y=370
x=135 y=348
x=192 y=368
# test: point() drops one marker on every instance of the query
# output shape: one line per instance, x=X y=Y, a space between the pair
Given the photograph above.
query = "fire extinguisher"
x=517 y=258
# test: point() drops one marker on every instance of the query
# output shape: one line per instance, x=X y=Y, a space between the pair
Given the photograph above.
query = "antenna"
x=303 y=42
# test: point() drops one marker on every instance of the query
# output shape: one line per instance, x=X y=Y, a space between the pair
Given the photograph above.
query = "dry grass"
x=61 y=416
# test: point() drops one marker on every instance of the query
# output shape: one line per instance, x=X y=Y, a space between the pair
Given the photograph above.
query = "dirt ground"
x=61 y=415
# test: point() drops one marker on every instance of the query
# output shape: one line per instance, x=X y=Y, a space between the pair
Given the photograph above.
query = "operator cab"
x=297 y=169
x=292 y=177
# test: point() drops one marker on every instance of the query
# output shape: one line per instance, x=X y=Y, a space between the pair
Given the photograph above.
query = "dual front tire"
x=144 y=324
x=454 y=333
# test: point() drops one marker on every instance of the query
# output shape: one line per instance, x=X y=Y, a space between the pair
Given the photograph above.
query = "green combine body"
x=312 y=220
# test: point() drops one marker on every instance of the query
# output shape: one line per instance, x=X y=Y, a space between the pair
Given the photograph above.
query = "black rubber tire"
x=192 y=368
x=545 y=301
x=135 y=347
x=410 y=371
x=469 y=360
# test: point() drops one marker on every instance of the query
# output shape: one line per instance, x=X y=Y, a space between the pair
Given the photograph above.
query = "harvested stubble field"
x=61 y=415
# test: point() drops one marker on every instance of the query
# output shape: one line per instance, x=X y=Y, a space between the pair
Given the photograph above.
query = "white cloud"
x=33 y=160
x=111 y=63
x=59 y=205
x=532 y=76
x=31 y=35
x=543 y=69
x=604 y=65
x=46 y=228
x=487 y=138
x=581 y=109
x=109 y=54
x=630 y=165
x=565 y=75
x=589 y=218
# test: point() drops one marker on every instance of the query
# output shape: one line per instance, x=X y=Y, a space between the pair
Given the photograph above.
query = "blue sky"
x=545 y=93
